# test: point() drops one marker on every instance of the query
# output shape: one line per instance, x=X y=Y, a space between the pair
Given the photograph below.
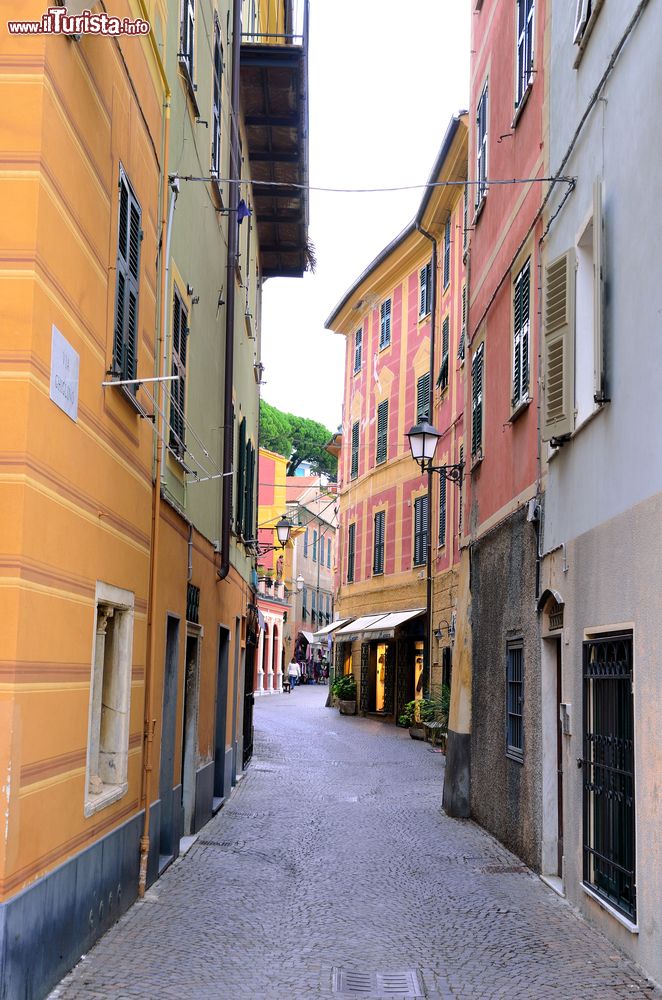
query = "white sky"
x=385 y=78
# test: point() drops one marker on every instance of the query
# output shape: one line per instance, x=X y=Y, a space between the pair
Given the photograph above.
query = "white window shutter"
x=559 y=347
x=598 y=295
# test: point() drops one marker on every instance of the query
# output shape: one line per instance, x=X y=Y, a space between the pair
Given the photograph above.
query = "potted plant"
x=344 y=690
x=416 y=714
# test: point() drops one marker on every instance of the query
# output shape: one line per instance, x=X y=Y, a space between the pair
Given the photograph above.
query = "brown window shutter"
x=559 y=347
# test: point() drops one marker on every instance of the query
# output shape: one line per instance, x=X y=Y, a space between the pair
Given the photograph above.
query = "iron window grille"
x=426 y=290
x=442 y=511
x=378 y=545
x=351 y=547
x=178 y=369
x=442 y=378
x=525 y=29
x=423 y=398
x=354 y=468
x=447 y=253
x=481 y=146
x=477 y=402
x=358 y=350
x=521 y=330
x=129 y=237
x=192 y=604
x=382 y=431
x=420 y=530
x=515 y=701
x=385 y=324
x=608 y=771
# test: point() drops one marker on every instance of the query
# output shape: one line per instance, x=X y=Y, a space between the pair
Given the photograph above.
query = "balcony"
x=274 y=92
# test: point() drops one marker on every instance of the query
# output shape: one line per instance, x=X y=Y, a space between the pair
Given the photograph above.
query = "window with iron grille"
x=351 y=543
x=178 y=369
x=477 y=402
x=425 y=302
x=358 y=350
x=129 y=236
x=521 y=326
x=354 y=469
x=525 y=27
x=385 y=324
x=481 y=146
x=216 y=110
x=378 y=544
x=460 y=505
x=463 y=331
x=447 y=253
x=515 y=700
x=186 y=52
x=608 y=771
x=420 y=530
x=442 y=377
x=442 y=511
x=423 y=398
x=314 y=546
x=382 y=431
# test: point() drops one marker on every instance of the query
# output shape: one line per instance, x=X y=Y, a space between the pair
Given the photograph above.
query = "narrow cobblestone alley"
x=333 y=853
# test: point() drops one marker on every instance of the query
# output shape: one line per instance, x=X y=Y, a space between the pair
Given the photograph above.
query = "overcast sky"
x=385 y=78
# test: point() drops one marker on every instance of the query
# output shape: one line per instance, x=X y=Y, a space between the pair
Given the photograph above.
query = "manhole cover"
x=377 y=984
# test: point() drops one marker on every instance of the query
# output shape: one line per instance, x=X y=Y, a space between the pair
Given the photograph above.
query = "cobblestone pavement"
x=333 y=852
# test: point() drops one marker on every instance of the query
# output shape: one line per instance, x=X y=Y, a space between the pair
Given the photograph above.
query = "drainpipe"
x=233 y=195
x=433 y=316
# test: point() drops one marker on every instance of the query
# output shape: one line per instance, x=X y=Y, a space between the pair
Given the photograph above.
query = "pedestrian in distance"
x=293 y=672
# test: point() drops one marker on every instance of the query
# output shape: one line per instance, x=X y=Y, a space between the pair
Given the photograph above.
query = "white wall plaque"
x=64 y=374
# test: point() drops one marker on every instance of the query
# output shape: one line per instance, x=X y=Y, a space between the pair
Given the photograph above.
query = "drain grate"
x=353 y=982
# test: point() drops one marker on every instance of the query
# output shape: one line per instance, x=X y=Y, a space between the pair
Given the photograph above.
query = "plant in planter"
x=415 y=714
x=344 y=690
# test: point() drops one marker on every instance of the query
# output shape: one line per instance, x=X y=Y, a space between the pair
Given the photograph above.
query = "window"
x=382 y=431
x=314 y=546
x=110 y=695
x=514 y=701
x=465 y=218
x=586 y=13
x=481 y=147
x=245 y=481
x=442 y=378
x=378 y=544
x=305 y=544
x=525 y=27
x=608 y=771
x=354 y=469
x=521 y=327
x=477 y=402
x=420 y=530
x=442 y=511
x=385 y=324
x=559 y=347
x=216 y=111
x=313 y=606
x=460 y=505
x=358 y=347
x=351 y=543
x=328 y=553
x=447 y=253
x=241 y=477
x=304 y=606
x=187 y=36
x=463 y=331
x=426 y=291
x=423 y=398
x=178 y=369
x=129 y=236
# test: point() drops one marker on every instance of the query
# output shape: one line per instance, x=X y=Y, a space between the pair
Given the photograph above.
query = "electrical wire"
x=381 y=190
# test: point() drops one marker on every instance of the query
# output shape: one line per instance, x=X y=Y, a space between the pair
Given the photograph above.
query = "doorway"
x=190 y=730
x=553 y=730
x=220 y=790
x=169 y=816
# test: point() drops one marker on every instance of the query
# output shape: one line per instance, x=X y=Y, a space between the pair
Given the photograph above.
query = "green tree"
x=297 y=438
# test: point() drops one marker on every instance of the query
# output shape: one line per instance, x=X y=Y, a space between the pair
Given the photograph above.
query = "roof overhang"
x=328 y=629
x=274 y=93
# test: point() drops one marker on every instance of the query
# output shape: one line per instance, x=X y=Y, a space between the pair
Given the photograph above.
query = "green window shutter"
x=477 y=402
x=178 y=369
x=354 y=469
x=240 y=499
x=559 y=347
x=382 y=431
x=129 y=236
x=351 y=541
x=420 y=530
x=442 y=511
x=385 y=324
x=460 y=504
x=447 y=253
x=463 y=331
x=378 y=543
x=423 y=398
x=442 y=378
x=358 y=345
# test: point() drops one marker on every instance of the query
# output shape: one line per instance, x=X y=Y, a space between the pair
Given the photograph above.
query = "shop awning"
x=260 y=618
x=381 y=626
x=308 y=636
x=321 y=633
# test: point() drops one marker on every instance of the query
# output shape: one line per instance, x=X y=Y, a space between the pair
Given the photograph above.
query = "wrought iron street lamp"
x=283 y=529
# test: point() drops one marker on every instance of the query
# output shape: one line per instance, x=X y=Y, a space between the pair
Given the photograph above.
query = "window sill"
x=515 y=756
x=479 y=209
x=110 y=794
x=384 y=347
x=476 y=460
x=190 y=86
x=422 y=317
x=357 y=371
x=378 y=572
x=606 y=905
x=521 y=407
x=519 y=108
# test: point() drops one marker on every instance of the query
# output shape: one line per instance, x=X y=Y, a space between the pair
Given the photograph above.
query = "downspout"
x=149 y=721
x=233 y=197
x=433 y=316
